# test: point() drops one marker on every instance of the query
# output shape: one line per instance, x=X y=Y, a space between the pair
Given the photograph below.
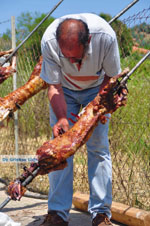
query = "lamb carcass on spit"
x=13 y=100
x=6 y=52
x=52 y=154
x=6 y=72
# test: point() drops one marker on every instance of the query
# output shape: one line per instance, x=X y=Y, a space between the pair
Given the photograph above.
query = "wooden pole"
x=120 y=212
x=14 y=88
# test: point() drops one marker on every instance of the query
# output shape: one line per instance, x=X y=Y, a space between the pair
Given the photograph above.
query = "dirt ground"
x=31 y=211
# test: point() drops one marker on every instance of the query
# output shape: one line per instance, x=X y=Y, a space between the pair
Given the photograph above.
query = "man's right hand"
x=61 y=125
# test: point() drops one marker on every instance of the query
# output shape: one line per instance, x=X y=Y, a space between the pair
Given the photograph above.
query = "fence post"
x=14 y=88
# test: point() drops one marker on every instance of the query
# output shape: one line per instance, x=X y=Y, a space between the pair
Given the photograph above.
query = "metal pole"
x=135 y=68
x=14 y=88
x=24 y=184
x=13 y=53
x=123 y=11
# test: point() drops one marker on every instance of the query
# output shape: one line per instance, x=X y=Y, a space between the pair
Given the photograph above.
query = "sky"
x=112 y=7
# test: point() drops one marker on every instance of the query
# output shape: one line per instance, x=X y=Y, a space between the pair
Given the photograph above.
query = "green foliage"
x=24 y=22
x=106 y=17
x=123 y=33
x=133 y=120
x=7 y=36
x=5 y=41
x=6 y=87
x=141 y=35
x=143 y=27
x=28 y=23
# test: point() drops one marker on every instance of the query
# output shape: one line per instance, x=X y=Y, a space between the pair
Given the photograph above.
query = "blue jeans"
x=99 y=164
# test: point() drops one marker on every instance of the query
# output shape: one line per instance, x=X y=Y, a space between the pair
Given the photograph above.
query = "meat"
x=3 y=53
x=13 y=100
x=6 y=72
x=52 y=154
x=56 y=151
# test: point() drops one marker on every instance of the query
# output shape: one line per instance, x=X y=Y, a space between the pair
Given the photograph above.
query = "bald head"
x=72 y=31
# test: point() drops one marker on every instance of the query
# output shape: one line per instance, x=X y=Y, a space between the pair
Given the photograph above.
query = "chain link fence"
x=129 y=126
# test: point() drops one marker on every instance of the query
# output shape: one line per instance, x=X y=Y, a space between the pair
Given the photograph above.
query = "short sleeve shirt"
x=102 y=56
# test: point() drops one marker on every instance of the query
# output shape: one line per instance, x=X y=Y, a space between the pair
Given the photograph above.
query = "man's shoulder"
x=96 y=24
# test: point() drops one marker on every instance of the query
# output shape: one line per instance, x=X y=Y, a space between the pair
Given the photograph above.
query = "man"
x=80 y=55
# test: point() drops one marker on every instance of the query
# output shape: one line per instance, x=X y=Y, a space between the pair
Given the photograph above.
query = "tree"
x=123 y=33
x=25 y=23
x=141 y=33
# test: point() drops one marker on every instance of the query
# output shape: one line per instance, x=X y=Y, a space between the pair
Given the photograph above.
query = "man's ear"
x=89 y=39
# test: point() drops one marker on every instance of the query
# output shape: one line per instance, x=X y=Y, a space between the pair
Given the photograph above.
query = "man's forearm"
x=57 y=101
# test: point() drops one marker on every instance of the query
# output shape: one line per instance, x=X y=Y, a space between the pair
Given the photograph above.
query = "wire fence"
x=4 y=22
x=129 y=127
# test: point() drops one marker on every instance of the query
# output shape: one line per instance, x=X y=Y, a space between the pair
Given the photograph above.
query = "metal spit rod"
x=135 y=68
x=123 y=11
x=24 y=184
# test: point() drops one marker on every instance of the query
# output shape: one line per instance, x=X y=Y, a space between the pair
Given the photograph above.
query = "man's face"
x=73 y=50
x=74 y=54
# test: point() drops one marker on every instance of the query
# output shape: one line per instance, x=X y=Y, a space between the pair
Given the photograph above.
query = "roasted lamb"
x=13 y=100
x=6 y=72
x=52 y=154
